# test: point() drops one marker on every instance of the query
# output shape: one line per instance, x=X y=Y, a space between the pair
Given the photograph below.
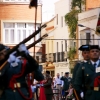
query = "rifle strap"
x=3 y=65
x=77 y=98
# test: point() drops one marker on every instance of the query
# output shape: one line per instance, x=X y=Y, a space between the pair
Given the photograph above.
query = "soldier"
x=14 y=74
x=91 y=75
x=67 y=80
x=85 y=55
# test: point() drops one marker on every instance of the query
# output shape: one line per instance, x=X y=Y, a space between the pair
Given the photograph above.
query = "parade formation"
x=21 y=77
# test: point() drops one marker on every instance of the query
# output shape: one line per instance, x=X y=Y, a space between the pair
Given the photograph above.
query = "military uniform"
x=82 y=48
x=75 y=71
x=91 y=75
x=14 y=79
x=67 y=81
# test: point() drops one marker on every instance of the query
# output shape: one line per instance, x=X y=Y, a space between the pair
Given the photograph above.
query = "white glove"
x=42 y=85
x=11 y=58
x=22 y=47
x=82 y=94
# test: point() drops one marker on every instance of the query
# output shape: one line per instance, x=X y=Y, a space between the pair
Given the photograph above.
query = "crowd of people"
x=58 y=88
x=85 y=81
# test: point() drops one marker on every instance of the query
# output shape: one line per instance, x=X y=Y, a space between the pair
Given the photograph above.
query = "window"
x=57 y=19
x=16 y=1
x=65 y=45
x=26 y=1
x=61 y=21
x=13 y=33
x=93 y=38
x=87 y=38
x=57 y=52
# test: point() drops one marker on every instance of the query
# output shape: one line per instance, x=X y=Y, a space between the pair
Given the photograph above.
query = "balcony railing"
x=53 y=57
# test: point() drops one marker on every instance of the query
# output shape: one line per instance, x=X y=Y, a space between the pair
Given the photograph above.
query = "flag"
x=33 y=3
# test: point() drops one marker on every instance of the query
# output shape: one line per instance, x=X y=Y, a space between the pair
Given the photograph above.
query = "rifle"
x=24 y=41
x=34 y=43
x=31 y=45
x=76 y=95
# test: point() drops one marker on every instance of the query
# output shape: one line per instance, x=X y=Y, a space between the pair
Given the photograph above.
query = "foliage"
x=71 y=18
x=71 y=21
x=78 y=4
x=71 y=54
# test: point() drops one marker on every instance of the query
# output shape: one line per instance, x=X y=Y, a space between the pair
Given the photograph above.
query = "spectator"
x=70 y=95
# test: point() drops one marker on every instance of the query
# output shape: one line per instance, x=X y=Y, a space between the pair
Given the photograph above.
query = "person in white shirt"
x=58 y=84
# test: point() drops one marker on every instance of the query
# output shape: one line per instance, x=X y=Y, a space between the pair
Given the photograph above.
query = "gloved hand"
x=41 y=85
x=22 y=48
x=82 y=94
x=12 y=58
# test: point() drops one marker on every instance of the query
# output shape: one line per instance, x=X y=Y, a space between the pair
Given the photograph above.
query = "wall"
x=18 y=12
x=62 y=7
x=88 y=19
x=92 y=4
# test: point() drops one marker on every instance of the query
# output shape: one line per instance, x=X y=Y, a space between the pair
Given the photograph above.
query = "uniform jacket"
x=75 y=71
x=8 y=71
x=89 y=76
x=67 y=81
x=47 y=86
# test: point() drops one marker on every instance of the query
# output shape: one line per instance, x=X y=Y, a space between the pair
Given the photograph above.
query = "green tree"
x=71 y=18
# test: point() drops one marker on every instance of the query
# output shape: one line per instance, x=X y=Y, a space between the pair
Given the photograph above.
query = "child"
x=70 y=95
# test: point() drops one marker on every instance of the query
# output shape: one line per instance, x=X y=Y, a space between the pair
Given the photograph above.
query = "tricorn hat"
x=66 y=72
x=94 y=47
x=84 y=48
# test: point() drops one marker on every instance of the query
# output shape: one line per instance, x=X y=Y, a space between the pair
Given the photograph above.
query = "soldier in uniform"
x=14 y=74
x=67 y=80
x=85 y=55
x=91 y=75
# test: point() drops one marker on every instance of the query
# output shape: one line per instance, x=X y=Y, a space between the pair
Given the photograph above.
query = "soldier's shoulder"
x=80 y=62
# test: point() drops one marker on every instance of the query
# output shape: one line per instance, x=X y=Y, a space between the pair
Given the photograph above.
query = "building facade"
x=89 y=19
x=56 y=43
x=61 y=44
x=50 y=56
x=17 y=22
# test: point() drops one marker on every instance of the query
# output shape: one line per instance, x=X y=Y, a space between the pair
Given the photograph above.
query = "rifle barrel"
x=34 y=43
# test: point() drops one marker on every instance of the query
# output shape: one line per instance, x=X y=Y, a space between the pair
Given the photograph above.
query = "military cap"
x=66 y=72
x=94 y=47
x=84 y=48
x=48 y=72
x=3 y=47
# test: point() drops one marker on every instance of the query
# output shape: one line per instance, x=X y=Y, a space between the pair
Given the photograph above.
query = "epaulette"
x=79 y=62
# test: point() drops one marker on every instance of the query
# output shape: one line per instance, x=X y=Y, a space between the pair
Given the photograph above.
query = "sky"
x=48 y=9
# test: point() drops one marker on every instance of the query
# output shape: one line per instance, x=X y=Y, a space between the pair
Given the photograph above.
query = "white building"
x=89 y=19
x=62 y=7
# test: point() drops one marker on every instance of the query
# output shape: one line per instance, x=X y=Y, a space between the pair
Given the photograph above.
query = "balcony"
x=52 y=57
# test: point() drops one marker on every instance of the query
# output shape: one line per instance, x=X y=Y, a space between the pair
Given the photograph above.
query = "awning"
x=49 y=67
